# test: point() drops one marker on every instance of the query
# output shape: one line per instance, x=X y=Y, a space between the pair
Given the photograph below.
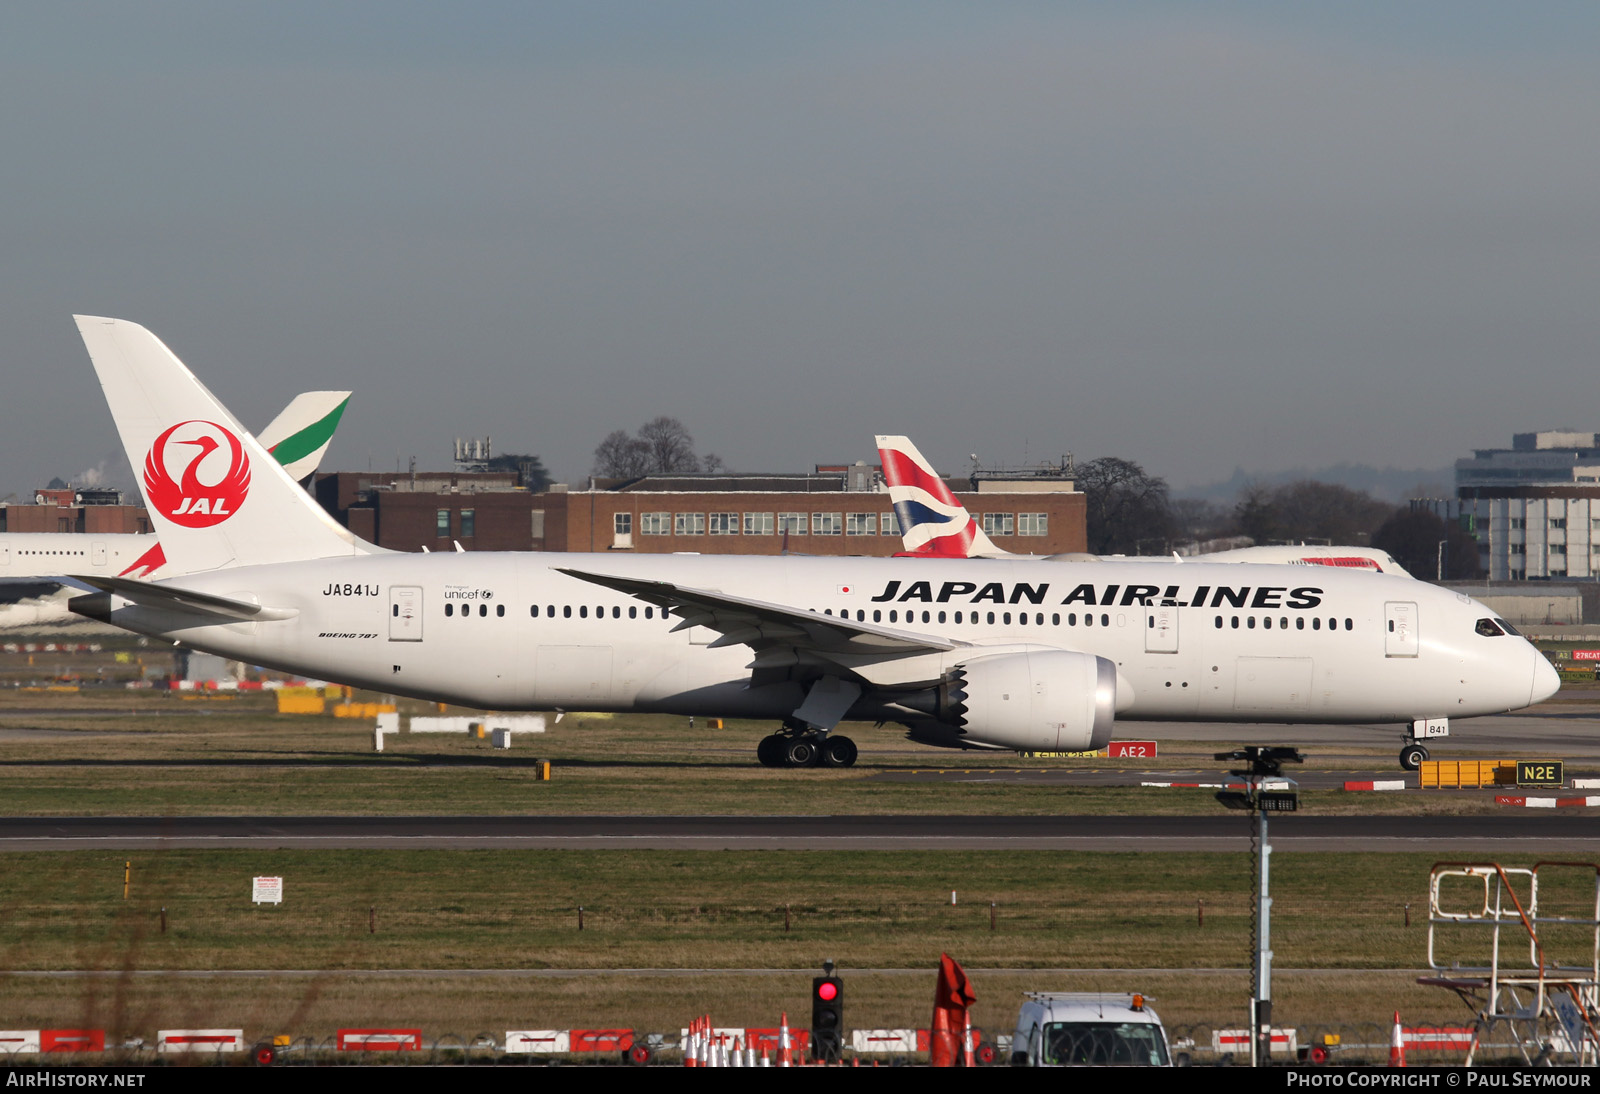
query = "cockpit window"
x=1507 y=627
x=1488 y=628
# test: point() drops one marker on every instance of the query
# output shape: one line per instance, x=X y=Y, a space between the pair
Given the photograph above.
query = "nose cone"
x=1546 y=680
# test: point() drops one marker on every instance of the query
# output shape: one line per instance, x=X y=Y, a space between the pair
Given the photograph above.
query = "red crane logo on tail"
x=188 y=498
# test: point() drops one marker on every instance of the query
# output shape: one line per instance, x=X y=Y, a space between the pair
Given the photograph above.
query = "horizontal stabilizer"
x=149 y=595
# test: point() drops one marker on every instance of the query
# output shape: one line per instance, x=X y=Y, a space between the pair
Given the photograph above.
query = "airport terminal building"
x=1534 y=507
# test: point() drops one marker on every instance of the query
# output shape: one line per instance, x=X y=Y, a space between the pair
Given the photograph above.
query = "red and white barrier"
x=379 y=1040
x=1237 y=1041
x=72 y=1040
x=200 y=1040
x=17 y=1041
x=883 y=1040
x=1546 y=803
x=537 y=1040
x=1377 y=784
x=1437 y=1038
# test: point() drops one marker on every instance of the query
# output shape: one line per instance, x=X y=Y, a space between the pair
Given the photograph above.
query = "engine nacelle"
x=1030 y=701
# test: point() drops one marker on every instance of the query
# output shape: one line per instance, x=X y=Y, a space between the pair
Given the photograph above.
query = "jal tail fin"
x=933 y=524
x=216 y=497
x=301 y=433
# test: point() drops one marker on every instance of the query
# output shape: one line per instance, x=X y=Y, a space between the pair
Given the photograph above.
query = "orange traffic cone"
x=785 y=1052
x=966 y=1039
x=1397 y=1045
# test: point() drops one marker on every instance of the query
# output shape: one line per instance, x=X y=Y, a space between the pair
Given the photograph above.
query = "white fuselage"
x=50 y=555
x=1207 y=642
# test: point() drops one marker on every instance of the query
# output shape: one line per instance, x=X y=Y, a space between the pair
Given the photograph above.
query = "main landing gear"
x=806 y=750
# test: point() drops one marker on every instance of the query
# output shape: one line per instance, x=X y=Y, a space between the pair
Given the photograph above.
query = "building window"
x=758 y=524
x=890 y=523
x=442 y=524
x=827 y=524
x=1558 y=548
x=622 y=524
x=1033 y=524
x=1558 y=522
x=655 y=524
x=861 y=524
x=1519 y=548
x=1517 y=522
x=688 y=524
x=724 y=524
x=999 y=524
x=792 y=523
x=536 y=528
x=469 y=523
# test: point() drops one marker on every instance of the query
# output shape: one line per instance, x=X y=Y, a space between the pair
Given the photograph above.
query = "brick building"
x=90 y=511
x=835 y=510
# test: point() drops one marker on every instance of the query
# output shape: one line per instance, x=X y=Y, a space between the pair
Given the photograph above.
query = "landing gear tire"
x=770 y=751
x=838 y=752
x=1411 y=757
x=800 y=752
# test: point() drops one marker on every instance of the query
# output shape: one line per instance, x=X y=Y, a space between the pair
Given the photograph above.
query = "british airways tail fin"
x=215 y=496
x=933 y=524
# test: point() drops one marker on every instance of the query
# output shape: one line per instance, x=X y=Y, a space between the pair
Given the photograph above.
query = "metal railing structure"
x=1546 y=998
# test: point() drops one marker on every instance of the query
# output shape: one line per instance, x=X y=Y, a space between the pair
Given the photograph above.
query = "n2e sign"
x=1540 y=772
x=1139 y=750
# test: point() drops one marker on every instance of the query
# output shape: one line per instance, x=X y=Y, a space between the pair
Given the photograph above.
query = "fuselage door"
x=1161 y=630
x=405 y=613
x=1400 y=629
x=97 y=553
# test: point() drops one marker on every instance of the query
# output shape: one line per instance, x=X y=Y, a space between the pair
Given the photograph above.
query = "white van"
x=1088 y=1029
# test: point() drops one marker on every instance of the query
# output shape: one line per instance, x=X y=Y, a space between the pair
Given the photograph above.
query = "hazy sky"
x=1197 y=236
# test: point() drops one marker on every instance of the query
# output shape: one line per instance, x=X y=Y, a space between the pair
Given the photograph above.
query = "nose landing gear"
x=1420 y=730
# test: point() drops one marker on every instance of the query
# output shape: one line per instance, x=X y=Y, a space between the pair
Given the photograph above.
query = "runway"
x=1519 y=834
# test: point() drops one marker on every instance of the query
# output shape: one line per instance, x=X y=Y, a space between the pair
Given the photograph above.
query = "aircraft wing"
x=150 y=595
x=762 y=626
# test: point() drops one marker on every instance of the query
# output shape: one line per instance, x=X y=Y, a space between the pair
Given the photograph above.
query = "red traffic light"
x=827 y=991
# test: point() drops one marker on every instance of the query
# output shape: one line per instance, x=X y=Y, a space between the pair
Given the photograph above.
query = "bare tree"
x=1128 y=511
x=620 y=456
x=671 y=446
